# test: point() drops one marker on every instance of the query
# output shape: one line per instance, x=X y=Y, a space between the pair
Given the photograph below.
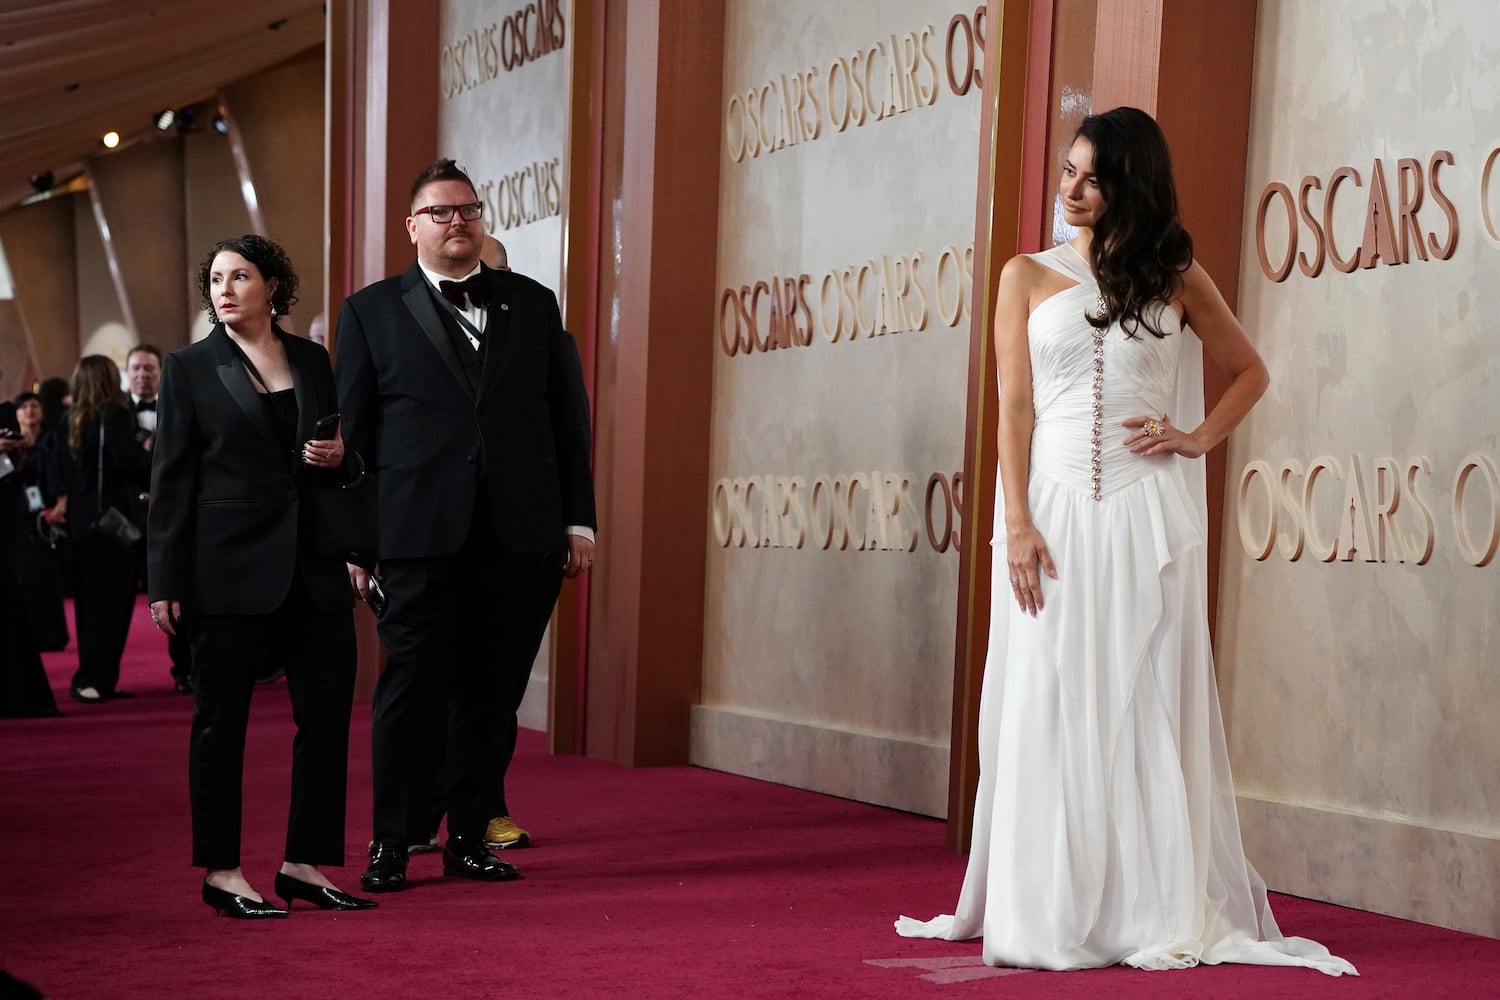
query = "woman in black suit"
x=233 y=555
x=109 y=470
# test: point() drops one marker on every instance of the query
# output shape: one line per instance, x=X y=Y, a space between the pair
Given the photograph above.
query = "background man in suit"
x=465 y=394
x=143 y=372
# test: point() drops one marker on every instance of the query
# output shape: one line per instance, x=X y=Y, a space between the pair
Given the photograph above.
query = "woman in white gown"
x=1105 y=828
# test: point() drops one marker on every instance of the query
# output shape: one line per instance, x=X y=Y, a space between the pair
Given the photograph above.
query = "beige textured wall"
x=1358 y=690
x=831 y=667
x=502 y=114
x=507 y=125
x=215 y=211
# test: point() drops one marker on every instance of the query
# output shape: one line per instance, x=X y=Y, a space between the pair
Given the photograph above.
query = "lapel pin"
x=505 y=307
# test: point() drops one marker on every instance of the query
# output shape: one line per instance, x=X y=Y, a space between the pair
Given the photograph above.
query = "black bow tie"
x=145 y=404
x=472 y=288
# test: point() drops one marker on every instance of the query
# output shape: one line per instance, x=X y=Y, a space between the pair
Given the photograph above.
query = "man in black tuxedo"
x=459 y=385
x=143 y=372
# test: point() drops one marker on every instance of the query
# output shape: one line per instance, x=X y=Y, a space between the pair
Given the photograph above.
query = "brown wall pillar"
x=143 y=221
x=39 y=247
x=659 y=192
x=276 y=133
x=378 y=140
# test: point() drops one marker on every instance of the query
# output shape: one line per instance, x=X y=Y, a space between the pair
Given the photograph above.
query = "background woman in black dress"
x=104 y=571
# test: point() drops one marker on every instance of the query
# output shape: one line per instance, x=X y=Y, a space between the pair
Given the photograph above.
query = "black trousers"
x=460 y=634
x=317 y=649
x=103 y=602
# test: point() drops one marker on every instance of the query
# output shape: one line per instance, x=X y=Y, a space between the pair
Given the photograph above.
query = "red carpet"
x=670 y=882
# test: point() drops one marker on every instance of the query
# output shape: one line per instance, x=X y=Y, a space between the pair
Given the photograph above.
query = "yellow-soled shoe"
x=502 y=834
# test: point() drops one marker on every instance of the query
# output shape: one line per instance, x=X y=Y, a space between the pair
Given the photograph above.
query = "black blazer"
x=221 y=532
x=127 y=469
x=429 y=429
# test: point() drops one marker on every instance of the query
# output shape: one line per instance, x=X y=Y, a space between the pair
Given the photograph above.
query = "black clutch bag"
x=347 y=526
x=116 y=527
x=110 y=524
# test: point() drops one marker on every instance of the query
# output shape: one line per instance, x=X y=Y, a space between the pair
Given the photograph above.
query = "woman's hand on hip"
x=1157 y=436
x=1027 y=557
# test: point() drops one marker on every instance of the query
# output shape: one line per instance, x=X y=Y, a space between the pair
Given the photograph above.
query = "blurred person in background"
x=143 y=372
x=40 y=510
x=109 y=469
x=24 y=691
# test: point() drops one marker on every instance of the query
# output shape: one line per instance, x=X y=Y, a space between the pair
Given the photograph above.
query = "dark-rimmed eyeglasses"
x=444 y=213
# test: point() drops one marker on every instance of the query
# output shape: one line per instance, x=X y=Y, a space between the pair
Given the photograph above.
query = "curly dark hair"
x=440 y=170
x=1140 y=250
x=269 y=259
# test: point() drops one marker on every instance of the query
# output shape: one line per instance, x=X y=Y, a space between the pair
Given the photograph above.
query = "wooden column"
x=276 y=128
x=40 y=250
x=138 y=203
x=1008 y=73
x=390 y=52
x=659 y=194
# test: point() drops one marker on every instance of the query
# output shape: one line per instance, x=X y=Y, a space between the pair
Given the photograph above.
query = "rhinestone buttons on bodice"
x=1097 y=435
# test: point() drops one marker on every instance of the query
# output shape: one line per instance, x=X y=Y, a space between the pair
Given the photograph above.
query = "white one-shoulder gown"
x=1105 y=828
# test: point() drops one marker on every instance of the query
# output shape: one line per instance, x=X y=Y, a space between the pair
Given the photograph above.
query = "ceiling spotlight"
x=164 y=119
x=221 y=125
x=110 y=140
x=42 y=182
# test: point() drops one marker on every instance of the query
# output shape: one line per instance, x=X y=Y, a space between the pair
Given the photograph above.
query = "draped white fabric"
x=1105 y=828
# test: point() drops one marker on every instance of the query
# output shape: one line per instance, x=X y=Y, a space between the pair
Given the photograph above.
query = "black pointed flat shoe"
x=227 y=904
x=321 y=896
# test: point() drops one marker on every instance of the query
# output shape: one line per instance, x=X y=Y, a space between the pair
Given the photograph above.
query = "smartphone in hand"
x=376 y=600
x=326 y=428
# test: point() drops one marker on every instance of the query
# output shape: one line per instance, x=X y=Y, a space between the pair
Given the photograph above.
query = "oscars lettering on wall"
x=861 y=511
x=1395 y=231
x=480 y=56
x=523 y=196
x=893 y=293
x=1379 y=512
x=887 y=78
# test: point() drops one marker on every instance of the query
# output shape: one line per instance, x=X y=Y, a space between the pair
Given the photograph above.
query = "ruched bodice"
x=1139 y=379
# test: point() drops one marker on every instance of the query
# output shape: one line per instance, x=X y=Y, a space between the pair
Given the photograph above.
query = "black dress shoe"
x=387 y=871
x=227 y=904
x=321 y=896
x=464 y=858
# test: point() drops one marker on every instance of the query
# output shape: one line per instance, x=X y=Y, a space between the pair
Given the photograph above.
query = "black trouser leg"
x=103 y=603
x=497 y=643
x=225 y=650
x=417 y=636
x=320 y=679
x=545 y=572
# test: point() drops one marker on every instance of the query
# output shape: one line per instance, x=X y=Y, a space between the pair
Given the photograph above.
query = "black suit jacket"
x=222 y=529
x=431 y=432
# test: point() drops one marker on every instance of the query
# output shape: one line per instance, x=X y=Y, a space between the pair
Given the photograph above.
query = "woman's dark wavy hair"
x=268 y=258
x=1140 y=250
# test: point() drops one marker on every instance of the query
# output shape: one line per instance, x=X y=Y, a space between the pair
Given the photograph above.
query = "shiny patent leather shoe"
x=464 y=858
x=387 y=871
x=227 y=904
x=321 y=896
